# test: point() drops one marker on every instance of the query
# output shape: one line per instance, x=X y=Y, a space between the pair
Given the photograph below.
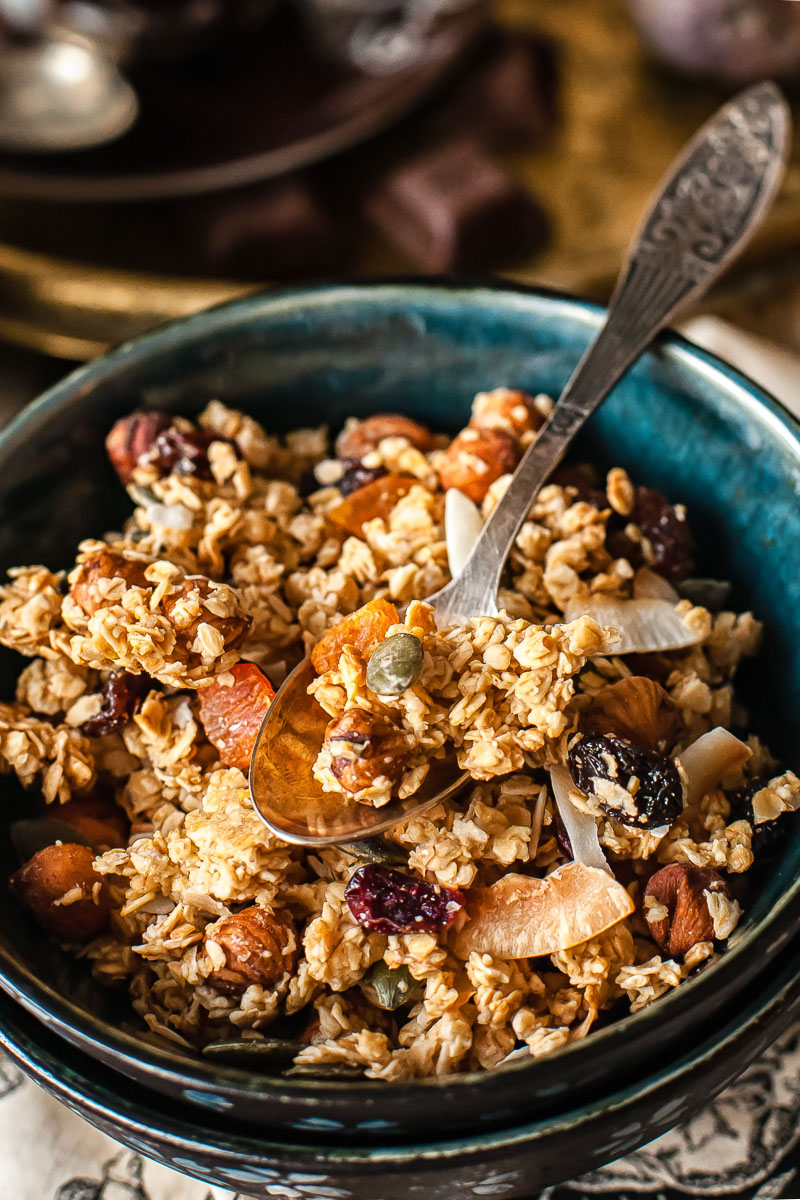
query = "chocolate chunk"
x=281 y=231
x=508 y=94
x=453 y=208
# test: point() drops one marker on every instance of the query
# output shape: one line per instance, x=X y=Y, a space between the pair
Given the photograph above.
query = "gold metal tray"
x=622 y=120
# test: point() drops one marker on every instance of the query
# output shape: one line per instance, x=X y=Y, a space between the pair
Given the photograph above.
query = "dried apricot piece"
x=232 y=714
x=363 y=629
x=376 y=499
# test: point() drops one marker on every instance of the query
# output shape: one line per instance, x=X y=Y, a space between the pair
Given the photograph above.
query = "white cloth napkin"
x=736 y=1144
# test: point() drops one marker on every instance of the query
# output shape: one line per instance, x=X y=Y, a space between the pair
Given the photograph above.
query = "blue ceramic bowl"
x=482 y=1165
x=681 y=421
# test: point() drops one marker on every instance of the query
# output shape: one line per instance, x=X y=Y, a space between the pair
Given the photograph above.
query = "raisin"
x=387 y=901
x=769 y=834
x=123 y=694
x=668 y=534
x=233 y=715
x=356 y=476
x=635 y=786
x=584 y=480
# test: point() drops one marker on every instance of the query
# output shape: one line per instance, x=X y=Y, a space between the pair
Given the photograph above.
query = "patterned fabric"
x=744 y=1146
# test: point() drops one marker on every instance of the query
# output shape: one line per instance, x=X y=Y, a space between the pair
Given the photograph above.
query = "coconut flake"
x=649 y=585
x=170 y=516
x=462 y=528
x=644 y=626
x=581 y=826
x=708 y=760
x=521 y=917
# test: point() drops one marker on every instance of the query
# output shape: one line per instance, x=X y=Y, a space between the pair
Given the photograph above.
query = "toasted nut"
x=192 y=591
x=63 y=891
x=358 y=439
x=363 y=749
x=676 y=908
x=103 y=823
x=503 y=408
x=260 y=947
x=132 y=439
x=636 y=708
x=476 y=458
x=89 y=587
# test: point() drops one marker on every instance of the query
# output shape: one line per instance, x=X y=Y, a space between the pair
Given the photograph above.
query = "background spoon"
x=705 y=211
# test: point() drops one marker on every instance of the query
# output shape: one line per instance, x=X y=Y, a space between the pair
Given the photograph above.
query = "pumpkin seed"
x=395 y=664
x=375 y=850
x=391 y=987
x=323 y=1070
x=712 y=594
x=35 y=833
x=250 y=1052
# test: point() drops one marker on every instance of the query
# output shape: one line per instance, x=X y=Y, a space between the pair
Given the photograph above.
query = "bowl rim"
x=79 y=1025
x=779 y=996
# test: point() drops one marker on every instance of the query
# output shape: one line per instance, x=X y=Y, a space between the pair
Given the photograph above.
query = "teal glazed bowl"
x=481 y=1165
x=681 y=421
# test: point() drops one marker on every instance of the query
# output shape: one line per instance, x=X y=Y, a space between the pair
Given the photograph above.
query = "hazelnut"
x=676 y=908
x=101 y=822
x=133 y=438
x=259 y=946
x=476 y=458
x=87 y=588
x=362 y=749
x=635 y=708
x=197 y=588
x=64 y=892
x=513 y=412
x=356 y=440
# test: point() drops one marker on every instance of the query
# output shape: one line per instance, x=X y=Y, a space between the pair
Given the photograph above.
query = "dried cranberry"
x=356 y=476
x=387 y=901
x=605 y=766
x=184 y=453
x=668 y=534
x=766 y=836
x=122 y=697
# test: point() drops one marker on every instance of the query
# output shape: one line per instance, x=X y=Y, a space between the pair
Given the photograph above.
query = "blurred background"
x=158 y=156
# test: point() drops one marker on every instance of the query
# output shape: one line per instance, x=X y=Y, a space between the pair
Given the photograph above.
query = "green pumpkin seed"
x=250 y=1052
x=324 y=1070
x=391 y=987
x=34 y=834
x=712 y=594
x=375 y=850
x=395 y=664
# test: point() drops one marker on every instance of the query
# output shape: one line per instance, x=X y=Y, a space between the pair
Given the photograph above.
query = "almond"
x=635 y=708
x=259 y=947
x=675 y=896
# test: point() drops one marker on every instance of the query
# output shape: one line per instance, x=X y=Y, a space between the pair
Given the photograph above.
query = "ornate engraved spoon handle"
x=705 y=211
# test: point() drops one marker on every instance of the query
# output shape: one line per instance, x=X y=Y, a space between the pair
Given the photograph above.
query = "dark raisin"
x=356 y=476
x=562 y=837
x=122 y=697
x=387 y=901
x=584 y=480
x=769 y=834
x=635 y=786
x=669 y=536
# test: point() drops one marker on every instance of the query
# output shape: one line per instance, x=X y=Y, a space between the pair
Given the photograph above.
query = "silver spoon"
x=60 y=94
x=706 y=209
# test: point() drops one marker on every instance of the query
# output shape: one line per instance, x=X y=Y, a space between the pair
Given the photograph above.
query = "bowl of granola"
x=292 y=475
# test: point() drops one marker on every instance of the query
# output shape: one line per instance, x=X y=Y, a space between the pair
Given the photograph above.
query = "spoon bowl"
x=308 y=815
